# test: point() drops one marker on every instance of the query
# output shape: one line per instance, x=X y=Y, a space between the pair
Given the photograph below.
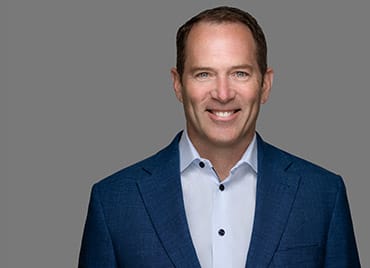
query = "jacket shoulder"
x=310 y=172
x=143 y=168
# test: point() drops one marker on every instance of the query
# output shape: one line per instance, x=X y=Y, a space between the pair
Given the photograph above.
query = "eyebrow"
x=198 y=68
x=206 y=68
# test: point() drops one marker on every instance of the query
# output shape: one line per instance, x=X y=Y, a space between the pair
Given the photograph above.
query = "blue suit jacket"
x=136 y=217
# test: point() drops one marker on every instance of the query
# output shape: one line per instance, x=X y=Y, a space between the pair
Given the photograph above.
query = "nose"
x=223 y=91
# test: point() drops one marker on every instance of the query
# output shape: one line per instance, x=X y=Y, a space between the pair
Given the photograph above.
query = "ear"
x=177 y=85
x=267 y=85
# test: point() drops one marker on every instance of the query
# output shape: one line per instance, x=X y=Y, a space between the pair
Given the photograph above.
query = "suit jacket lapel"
x=276 y=190
x=162 y=195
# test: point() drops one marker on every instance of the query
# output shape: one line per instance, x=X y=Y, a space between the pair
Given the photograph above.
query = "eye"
x=202 y=76
x=241 y=75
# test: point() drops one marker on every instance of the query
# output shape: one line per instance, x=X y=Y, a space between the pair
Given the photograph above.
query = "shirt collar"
x=188 y=153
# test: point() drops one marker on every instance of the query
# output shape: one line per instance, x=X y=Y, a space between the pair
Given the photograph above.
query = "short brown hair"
x=219 y=15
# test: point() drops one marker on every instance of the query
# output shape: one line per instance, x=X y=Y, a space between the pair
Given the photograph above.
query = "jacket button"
x=221 y=187
x=221 y=232
x=201 y=164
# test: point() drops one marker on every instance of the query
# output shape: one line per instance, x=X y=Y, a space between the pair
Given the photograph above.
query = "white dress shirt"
x=220 y=214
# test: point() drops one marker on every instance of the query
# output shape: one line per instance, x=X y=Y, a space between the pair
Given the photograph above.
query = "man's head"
x=220 y=15
x=222 y=80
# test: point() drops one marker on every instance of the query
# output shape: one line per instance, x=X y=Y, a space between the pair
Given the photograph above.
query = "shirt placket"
x=221 y=233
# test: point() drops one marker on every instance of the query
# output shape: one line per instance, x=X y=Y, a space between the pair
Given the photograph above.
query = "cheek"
x=251 y=96
x=195 y=95
x=190 y=101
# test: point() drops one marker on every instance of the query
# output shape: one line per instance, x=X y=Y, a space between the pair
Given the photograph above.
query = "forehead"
x=225 y=39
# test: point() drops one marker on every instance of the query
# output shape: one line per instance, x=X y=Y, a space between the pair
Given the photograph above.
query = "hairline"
x=214 y=21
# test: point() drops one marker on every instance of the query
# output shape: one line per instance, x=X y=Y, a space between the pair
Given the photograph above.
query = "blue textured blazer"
x=136 y=217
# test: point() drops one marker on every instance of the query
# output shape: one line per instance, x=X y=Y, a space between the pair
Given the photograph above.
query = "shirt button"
x=201 y=164
x=221 y=187
x=221 y=232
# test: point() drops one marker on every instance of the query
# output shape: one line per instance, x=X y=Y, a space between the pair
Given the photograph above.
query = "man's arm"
x=96 y=248
x=341 y=249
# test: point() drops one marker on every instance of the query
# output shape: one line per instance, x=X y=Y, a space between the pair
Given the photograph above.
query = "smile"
x=223 y=114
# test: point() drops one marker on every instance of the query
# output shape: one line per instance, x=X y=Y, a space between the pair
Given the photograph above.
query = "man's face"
x=221 y=87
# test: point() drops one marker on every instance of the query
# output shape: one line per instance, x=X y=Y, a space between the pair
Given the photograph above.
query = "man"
x=218 y=195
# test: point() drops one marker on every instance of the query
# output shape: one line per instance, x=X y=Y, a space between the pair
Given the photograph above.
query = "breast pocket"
x=310 y=256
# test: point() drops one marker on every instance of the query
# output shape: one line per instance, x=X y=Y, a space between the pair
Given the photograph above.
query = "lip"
x=223 y=115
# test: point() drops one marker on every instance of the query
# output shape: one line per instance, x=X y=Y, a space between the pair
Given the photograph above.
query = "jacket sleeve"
x=96 y=247
x=341 y=249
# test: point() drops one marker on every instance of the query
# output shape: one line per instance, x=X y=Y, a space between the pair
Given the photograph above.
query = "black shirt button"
x=221 y=187
x=221 y=232
x=201 y=164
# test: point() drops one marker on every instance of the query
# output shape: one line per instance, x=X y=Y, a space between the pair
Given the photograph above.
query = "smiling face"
x=221 y=88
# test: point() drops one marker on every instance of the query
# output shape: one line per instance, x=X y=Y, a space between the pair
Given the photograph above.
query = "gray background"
x=88 y=91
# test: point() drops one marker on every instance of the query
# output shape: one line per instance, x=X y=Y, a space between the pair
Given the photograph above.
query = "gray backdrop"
x=88 y=91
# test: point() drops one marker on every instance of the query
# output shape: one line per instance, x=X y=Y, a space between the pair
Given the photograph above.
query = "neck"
x=223 y=158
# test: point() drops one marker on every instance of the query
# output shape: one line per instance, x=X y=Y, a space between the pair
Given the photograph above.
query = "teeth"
x=223 y=114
